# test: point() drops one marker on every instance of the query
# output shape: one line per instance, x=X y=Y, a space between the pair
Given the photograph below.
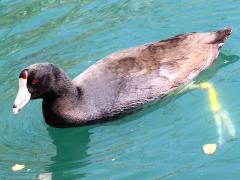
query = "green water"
x=163 y=141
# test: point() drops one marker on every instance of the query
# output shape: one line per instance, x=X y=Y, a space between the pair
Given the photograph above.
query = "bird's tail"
x=220 y=36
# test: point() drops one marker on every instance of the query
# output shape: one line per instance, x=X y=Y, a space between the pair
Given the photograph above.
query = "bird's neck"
x=62 y=86
x=58 y=109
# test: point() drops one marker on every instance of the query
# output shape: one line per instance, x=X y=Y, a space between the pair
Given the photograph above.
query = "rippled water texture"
x=163 y=141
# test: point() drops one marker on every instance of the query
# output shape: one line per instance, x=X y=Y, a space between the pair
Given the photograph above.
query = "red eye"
x=35 y=81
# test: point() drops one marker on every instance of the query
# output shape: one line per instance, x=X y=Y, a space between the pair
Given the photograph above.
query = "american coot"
x=119 y=82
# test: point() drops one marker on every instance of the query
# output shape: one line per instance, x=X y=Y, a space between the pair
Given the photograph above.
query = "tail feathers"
x=221 y=36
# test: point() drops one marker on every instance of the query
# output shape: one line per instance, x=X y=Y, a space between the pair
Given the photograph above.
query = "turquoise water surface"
x=163 y=141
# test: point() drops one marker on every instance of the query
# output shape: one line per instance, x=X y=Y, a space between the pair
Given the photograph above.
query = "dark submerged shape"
x=123 y=80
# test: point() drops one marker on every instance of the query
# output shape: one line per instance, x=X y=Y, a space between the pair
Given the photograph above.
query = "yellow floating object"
x=221 y=116
x=18 y=167
x=209 y=148
x=212 y=95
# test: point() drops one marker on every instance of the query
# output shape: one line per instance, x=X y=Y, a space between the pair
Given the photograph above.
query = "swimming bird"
x=120 y=82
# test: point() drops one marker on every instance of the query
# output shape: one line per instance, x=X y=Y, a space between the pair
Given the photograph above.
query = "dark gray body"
x=129 y=78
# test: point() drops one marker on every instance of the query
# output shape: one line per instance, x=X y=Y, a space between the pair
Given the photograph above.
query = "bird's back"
x=134 y=76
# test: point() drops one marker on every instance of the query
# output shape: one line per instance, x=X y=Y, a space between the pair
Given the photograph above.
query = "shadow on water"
x=72 y=144
x=222 y=61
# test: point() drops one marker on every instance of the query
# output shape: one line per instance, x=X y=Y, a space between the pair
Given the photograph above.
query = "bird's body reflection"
x=71 y=152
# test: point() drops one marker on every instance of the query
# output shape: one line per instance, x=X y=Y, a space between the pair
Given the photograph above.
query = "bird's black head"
x=42 y=80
